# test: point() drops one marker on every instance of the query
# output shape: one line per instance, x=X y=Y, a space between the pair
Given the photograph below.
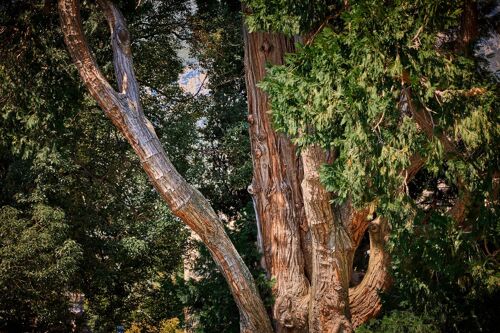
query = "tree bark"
x=276 y=189
x=364 y=299
x=124 y=110
x=331 y=252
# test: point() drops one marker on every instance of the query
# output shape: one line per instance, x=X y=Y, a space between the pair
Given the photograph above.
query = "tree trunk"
x=331 y=252
x=276 y=189
x=308 y=258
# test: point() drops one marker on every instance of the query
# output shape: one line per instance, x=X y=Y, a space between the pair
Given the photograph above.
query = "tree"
x=363 y=88
x=291 y=204
x=353 y=132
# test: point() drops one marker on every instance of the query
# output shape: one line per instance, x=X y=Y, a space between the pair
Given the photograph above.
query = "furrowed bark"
x=331 y=252
x=364 y=298
x=124 y=110
x=469 y=25
x=276 y=189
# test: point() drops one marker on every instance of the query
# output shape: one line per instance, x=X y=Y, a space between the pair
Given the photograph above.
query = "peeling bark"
x=331 y=249
x=276 y=189
x=124 y=110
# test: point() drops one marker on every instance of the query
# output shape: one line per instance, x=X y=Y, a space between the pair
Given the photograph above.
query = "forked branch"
x=124 y=109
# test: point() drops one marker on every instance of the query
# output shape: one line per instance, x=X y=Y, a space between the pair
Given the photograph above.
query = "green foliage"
x=290 y=17
x=353 y=90
x=111 y=236
x=37 y=263
x=344 y=92
x=445 y=273
x=398 y=322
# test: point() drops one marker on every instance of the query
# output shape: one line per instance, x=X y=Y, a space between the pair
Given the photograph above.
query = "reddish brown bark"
x=276 y=189
x=364 y=299
x=331 y=252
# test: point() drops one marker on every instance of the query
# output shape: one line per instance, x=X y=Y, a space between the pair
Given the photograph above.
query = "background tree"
x=77 y=213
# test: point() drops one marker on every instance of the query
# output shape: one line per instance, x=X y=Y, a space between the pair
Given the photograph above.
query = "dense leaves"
x=357 y=86
x=78 y=214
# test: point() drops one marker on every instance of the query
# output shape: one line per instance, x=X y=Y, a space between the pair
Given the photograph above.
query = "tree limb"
x=364 y=299
x=124 y=109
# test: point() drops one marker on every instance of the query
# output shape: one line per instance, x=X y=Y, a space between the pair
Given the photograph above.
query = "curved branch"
x=364 y=299
x=184 y=200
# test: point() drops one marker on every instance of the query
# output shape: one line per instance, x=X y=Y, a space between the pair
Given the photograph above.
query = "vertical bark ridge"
x=331 y=252
x=184 y=200
x=276 y=188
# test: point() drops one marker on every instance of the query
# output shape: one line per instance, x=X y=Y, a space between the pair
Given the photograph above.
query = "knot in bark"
x=123 y=38
x=250 y=119
x=123 y=35
x=266 y=47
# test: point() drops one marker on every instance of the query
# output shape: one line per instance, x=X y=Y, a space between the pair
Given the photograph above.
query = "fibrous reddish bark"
x=124 y=110
x=299 y=251
x=276 y=189
x=331 y=251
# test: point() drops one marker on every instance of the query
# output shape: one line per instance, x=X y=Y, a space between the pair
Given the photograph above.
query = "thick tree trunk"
x=276 y=189
x=331 y=252
x=124 y=109
x=300 y=251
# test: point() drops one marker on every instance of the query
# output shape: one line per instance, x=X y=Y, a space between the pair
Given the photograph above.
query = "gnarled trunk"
x=307 y=248
x=276 y=189
x=307 y=252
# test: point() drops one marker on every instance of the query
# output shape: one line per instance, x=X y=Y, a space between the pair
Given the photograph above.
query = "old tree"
x=372 y=98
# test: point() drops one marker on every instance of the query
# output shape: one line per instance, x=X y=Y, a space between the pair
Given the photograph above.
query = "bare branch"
x=185 y=201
